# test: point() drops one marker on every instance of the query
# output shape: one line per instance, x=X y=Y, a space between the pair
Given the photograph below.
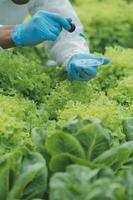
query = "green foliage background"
x=108 y=23
x=62 y=139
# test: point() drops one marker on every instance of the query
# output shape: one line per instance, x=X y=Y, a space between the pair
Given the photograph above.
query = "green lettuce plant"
x=80 y=182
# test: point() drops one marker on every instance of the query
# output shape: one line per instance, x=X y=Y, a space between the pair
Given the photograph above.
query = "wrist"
x=16 y=35
x=73 y=56
x=5 y=37
x=66 y=59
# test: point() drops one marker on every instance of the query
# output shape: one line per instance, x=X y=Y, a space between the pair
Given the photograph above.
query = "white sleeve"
x=68 y=44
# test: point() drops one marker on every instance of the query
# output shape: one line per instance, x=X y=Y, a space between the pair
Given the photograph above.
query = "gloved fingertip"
x=70 y=28
x=106 y=61
x=69 y=19
x=65 y=23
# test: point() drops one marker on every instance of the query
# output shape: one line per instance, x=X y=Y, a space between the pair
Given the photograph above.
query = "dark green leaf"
x=73 y=184
x=95 y=139
x=39 y=136
x=32 y=181
x=4 y=178
x=60 y=161
x=116 y=156
x=128 y=128
x=62 y=142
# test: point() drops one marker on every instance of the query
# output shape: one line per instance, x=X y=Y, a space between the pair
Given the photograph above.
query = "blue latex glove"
x=84 y=67
x=42 y=26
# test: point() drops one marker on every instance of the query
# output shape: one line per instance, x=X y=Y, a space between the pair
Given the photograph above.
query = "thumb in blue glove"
x=42 y=26
x=84 y=67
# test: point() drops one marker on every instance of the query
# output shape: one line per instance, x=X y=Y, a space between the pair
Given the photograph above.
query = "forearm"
x=5 y=37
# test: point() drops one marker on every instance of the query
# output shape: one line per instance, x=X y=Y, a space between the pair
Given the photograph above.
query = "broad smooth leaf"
x=73 y=184
x=63 y=142
x=75 y=124
x=60 y=161
x=128 y=128
x=114 y=190
x=4 y=178
x=128 y=182
x=32 y=180
x=116 y=156
x=39 y=137
x=95 y=140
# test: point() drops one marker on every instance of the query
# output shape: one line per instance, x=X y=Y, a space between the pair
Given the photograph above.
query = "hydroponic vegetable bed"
x=70 y=140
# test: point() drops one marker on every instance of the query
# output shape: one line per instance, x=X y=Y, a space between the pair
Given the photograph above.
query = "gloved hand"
x=84 y=67
x=42 y=26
